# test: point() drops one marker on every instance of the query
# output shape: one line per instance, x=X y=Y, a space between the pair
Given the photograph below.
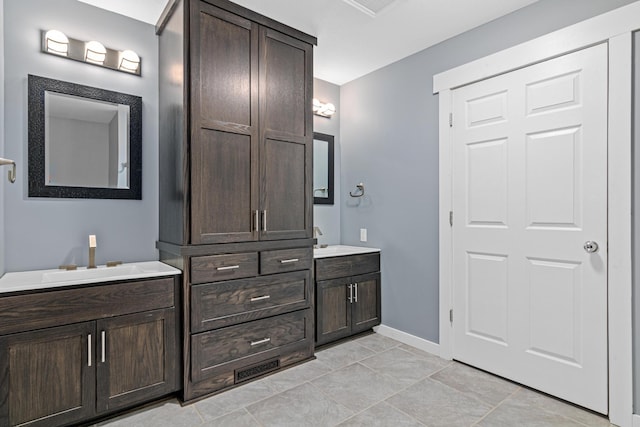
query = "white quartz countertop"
x=44 y=279
x=341 y=250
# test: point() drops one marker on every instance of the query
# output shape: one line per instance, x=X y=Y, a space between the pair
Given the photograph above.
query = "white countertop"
x=341 y=250
x=44 y=279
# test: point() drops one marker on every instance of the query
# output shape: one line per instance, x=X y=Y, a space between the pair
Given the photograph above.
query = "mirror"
x=322 y=169
x=84 y=142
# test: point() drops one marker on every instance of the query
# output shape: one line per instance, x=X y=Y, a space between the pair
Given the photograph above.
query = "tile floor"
x=370 y=381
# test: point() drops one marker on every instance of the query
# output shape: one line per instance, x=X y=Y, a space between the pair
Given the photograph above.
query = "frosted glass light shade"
x=129 y=61
x=95 y=52
x=57 y=42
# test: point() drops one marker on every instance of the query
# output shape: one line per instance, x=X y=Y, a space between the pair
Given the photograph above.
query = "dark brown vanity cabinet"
x=347 y=296
x=236 y=201
x=251 y=130
x=59 y=375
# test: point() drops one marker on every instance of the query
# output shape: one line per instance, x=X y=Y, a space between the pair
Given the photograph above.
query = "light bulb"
x=129 y=61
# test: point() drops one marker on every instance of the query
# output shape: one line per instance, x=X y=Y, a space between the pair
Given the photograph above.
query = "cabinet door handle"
x=264 y=220
x=262 y=341
x=356 y=293
x=230 y=267
x=257 y=221
x=89 y=350
x=104 y=343
x=350 y=293
x=289 y=261
x=264 y=297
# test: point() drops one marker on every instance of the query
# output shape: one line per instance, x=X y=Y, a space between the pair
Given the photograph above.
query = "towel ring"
x=360 y=189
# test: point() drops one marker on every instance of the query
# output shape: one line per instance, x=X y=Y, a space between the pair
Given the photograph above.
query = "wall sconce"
x=93 y=52
x=323 y=109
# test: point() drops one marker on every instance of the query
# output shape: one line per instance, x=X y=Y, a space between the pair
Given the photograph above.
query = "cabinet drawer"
x=221 y=304
x=285 y=260
x=235 y=345
x=214 y=268
x=348 y=265
x=55 y=308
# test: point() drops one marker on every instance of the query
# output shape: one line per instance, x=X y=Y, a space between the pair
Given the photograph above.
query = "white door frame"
x=615 y=28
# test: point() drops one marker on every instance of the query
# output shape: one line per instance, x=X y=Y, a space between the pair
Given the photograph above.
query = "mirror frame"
x=37 y=116
x=329 y=199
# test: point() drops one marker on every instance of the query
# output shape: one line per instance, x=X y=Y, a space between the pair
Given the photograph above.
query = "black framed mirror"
x=323 y=156
x=84 y=142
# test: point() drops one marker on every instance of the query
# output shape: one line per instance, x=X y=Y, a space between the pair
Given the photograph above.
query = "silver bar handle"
x=356 y=293
x=89 y=350
x=264 y=220
x=262 y=341
x=230 y=267
x=257 y=220
x=262 y=298
x=104 y=341
x=289 y=261
x=350 y=293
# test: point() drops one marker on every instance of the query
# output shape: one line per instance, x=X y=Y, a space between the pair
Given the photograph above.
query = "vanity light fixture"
x=56 y=42
x=324 y=109
x=93 y=52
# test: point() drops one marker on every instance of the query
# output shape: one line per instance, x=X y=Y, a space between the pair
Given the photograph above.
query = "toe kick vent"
x=250 y=372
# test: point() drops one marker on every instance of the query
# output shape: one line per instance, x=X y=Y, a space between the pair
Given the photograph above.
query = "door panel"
x=530 y=183
x=333 y=310
x=136 y=358
x=286 y=90
x=224 y=126
x=48 y=376
x=366 y=302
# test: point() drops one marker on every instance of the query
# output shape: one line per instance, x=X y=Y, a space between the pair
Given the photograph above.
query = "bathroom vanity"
x=76 y=345
x=347 y=291
x=236 y=198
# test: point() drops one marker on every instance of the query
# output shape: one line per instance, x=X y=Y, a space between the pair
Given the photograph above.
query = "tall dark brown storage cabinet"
x=236 y=199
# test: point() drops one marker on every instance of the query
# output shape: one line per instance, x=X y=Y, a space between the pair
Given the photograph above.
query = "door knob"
x=591 y=247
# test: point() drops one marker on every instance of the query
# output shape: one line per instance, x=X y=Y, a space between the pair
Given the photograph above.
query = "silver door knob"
x=591 y=247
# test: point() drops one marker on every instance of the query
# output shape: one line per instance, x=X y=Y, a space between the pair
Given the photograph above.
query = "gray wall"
x=41 y=232
x=389 y=137
x=636 y=227
x=327 y=217
x=3 y=183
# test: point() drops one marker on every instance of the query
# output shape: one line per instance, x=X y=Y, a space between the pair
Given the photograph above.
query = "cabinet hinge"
x=451 y=316
x=450 y=120
x=451 y=218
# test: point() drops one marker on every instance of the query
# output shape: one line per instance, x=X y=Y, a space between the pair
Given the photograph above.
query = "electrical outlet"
x=363 y=234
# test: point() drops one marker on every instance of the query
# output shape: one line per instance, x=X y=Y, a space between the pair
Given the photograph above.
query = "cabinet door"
x=224 y=126
x=136 y=358
x=286 y=87
x=366 y=304
x=47 y=377
x=333 y=310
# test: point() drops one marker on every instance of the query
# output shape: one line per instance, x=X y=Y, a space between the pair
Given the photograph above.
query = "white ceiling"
x=352 y=43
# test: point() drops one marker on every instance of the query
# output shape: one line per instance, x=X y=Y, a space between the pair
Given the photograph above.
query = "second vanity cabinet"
x=70 y=355
x=347 y=295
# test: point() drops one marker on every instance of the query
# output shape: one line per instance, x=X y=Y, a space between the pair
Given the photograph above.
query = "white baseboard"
x=636 y=420
x=412 y=340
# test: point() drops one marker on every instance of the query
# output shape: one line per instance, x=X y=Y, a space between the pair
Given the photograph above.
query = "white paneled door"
x=530 y=228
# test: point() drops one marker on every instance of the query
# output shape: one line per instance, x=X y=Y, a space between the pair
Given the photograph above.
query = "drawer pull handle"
x=289 y=261
x=264 y=297
x=89 y=350
x=104 y=342
x=230 y=267
x=263 y=341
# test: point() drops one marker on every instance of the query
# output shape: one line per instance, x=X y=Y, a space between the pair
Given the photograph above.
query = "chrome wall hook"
x=12 y=172
x=360 y=189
